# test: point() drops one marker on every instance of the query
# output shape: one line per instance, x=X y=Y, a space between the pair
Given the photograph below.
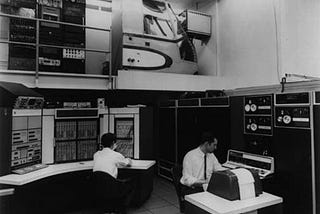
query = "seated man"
x=198 y=165
x=108 y=161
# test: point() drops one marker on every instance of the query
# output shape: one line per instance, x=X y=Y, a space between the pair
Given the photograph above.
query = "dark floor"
x=163 y=200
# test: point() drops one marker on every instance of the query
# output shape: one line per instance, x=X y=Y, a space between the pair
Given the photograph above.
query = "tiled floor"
x=162 y=201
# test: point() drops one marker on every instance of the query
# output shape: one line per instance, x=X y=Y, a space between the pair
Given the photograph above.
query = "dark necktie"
x=205 y=166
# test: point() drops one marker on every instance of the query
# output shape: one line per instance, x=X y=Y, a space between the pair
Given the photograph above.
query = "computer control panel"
x=263 y=164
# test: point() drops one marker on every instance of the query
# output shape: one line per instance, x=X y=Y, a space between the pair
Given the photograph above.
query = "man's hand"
x=129 y=162
x=200 y=182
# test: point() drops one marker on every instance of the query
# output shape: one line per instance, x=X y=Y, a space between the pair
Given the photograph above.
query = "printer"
x=236 y=184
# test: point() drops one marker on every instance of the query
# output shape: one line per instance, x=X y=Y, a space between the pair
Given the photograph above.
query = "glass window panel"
x=151 y=26
x=166 y=27
x=159 y=27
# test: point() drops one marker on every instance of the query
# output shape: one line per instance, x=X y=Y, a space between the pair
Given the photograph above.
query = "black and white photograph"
x=159 y=106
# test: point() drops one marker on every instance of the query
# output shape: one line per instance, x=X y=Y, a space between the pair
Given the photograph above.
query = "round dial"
x=253 y=107
x=287 y=119
x=253 y=127
x=247 y=108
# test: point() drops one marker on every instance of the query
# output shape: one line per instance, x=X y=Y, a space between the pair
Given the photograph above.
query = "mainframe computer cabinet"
x=181 y=124
x=133 y=127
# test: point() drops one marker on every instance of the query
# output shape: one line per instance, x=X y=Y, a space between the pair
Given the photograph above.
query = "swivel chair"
x=111 y=194
x=176 y=172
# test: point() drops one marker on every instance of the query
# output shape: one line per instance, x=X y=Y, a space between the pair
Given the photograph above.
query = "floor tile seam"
x=171 y=202
x=161 y=202
x=162 y=197
x=165 y=205
x=164 y=186
x=166 y=189
x=167 y=185
x=152 y=200
x=166 y=196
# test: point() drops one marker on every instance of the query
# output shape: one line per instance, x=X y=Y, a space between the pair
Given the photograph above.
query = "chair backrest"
x=105 y=185
x=176 y=172
x=107 y=192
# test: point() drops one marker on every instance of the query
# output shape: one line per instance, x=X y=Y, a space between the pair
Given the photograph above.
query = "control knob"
x=253 y=127
x=247 y=108
x=253 y=107
x=279 y=119
x=287 y=119
x=131 y=60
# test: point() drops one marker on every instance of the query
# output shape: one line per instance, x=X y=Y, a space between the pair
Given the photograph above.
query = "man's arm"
x=122 y=161
x=216 y=164
x=187 y=178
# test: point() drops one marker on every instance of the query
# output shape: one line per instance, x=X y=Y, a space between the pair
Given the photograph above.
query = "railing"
x=38 y=45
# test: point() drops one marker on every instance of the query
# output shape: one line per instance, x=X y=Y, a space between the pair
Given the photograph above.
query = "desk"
x=56 y=169
x=65 y=187
x=205 y=202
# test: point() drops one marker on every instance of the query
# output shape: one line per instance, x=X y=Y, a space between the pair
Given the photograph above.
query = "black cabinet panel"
x=167 y=138
x=292 y=152
x=193 y=121
x=216 y=121
x=237 y=140
x=189 y=130
x=317 y=151
x=5 y=140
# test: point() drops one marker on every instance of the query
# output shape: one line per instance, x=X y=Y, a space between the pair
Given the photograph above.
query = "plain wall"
x=247 y=44
x=300 y=37
x=259 y=41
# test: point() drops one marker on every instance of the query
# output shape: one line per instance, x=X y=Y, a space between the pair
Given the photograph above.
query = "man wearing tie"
x=199 y=163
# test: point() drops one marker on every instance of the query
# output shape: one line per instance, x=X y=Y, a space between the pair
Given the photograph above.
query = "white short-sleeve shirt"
x=193 y=166
x=108 y=161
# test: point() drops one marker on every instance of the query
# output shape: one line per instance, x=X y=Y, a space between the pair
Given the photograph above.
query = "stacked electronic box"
x=21 y=56
x=61 y=35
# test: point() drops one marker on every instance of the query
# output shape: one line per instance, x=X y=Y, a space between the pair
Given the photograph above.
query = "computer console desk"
x=67 y=187
x=206 y=202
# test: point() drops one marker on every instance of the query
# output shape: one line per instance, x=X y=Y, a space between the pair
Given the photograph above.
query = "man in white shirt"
x=107 y=160
x=199 y=164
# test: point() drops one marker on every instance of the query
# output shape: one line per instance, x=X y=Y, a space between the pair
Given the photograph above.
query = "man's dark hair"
x=207 y=137
x=108 y=139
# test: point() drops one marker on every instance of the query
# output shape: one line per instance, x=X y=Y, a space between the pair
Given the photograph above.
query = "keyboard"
x=229 y=165
x=261 y=172
x=28 y=169
x=264 y=165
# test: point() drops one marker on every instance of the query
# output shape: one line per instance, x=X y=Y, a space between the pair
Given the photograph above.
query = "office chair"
x=176 y=172
x=111 y=195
